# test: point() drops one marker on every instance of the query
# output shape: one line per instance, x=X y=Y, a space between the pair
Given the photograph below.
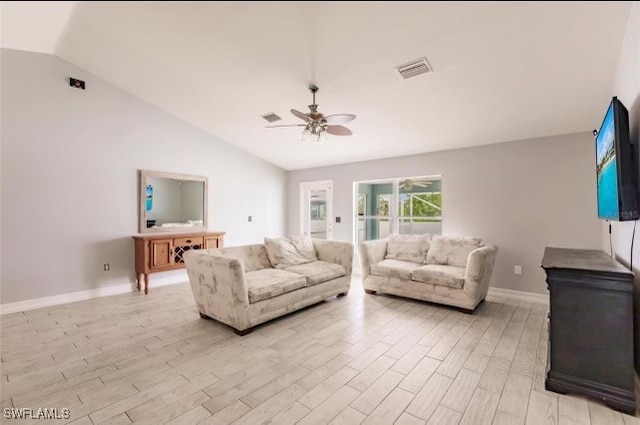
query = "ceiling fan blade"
x=339 y=118
x=302 y=116
x=286 y=125
x=338 y=130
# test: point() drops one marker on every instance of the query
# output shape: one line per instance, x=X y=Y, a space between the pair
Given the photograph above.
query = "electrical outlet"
x=107 y=267
x=250 y=219
x=517 y=270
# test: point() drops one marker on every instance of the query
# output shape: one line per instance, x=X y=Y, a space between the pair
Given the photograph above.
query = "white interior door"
x=317 y=209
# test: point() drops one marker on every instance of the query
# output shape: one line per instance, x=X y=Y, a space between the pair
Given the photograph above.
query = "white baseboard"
x=71 y=297
x=518 y=295
x=174 y=279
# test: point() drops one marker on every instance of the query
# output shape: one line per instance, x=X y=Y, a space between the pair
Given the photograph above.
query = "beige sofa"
x=451 y=271
x=240 y=287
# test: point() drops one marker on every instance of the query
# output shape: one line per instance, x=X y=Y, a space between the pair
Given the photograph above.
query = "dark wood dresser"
x=591 y=326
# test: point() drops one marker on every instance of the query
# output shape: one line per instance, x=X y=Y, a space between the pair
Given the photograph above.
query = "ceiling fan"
x=409 y=184
x=317 y=125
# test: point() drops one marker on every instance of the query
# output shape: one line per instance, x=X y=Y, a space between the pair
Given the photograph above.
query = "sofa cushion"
x=252 y=257
x=451 y=276
x=394 y=268
x=408 y=247
x=318 y=271
x=286 y=252
x=268 y=283
x=451 y=251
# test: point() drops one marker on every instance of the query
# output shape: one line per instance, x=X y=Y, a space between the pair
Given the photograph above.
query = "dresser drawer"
x=191 y=241
x=212 y=242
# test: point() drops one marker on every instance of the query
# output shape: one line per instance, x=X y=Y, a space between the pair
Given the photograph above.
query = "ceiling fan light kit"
x=318 y=125
x=313 y=133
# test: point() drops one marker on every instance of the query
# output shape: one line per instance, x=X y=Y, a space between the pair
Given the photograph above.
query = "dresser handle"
x=188 y=241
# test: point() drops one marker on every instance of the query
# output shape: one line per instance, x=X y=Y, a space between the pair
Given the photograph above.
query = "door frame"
x=305 y=187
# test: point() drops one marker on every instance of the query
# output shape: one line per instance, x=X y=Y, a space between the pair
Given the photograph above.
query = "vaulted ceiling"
x=503 y=71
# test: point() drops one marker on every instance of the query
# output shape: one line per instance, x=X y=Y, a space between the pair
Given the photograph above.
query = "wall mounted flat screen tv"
x=616 y=167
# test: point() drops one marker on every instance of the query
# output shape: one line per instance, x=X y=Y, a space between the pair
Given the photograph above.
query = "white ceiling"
x=503 y=71
x=35 y=26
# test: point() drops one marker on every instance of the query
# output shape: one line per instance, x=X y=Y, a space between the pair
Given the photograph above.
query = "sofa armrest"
x=371 y=252
x=337 y=252
x=219 y=287
x=478 y=271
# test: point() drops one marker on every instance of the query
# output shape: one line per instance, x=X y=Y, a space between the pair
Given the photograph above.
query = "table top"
x=177 y=234
x=582 y=259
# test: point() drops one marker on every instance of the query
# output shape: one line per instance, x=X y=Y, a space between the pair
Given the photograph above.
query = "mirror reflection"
x=172 y=203
x=318 y=214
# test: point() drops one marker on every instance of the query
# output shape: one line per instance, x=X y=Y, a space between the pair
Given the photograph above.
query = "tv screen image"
x=607 y=169
x=616 y=166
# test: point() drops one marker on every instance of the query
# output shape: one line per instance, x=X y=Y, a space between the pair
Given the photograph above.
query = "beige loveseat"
x=242 y=287
x=445 y=270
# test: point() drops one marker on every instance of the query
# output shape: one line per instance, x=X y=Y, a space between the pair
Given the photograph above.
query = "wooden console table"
x=163 y=252
x=591 y=326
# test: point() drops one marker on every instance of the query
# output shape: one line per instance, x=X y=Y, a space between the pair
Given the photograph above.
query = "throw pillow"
x=283 y=253
x=408 y=247
x=451 y=250
x=304 y=245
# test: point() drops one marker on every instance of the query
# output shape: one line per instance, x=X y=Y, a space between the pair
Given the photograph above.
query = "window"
x=362 y=203
x=382 y=205
x=318 y=210
x=404 y=206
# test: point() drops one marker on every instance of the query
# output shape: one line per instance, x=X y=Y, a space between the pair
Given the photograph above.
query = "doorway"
x=317 y=209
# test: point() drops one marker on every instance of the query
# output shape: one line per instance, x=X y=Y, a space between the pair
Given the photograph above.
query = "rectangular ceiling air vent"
x=414 y=68
x=271 y=117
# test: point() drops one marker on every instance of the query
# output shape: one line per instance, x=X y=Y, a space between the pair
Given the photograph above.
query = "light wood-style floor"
x=358 y=359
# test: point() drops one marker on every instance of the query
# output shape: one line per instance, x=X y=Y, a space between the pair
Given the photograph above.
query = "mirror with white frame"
x=172 y=202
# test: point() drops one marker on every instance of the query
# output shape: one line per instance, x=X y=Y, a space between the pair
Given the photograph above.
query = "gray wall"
x=627 y=88
x=70 y=161
x=521 y=196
